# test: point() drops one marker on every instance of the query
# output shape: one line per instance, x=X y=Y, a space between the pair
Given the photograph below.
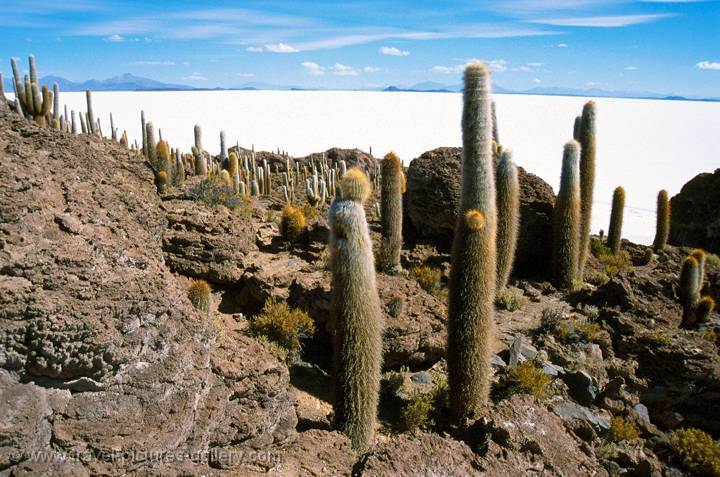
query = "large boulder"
x=695 y=216
x=103 y=356
x=433 y=195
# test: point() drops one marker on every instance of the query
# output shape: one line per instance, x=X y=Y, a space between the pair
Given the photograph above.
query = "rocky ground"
x=107 y=369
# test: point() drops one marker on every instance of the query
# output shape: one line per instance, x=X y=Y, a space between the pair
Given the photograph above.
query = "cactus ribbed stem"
x=90 y=113
x=566 y=221
x=356 y=312
x=587 y=180
x=508 y=211
x=662 y=227
x=391 y=211
x=56 y=101
x=689 y=290
x=150 y=138
x=472 y=272
x=616 y=220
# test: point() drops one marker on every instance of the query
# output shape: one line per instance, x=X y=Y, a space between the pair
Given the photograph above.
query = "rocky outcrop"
x=352 y=157
x=103 y=357
x=695 y=213
x=433 y=194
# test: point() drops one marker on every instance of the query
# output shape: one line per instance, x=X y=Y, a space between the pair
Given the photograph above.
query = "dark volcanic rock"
x=352 y=157
x=695 y=217
x=102 y=353
x=433 y=194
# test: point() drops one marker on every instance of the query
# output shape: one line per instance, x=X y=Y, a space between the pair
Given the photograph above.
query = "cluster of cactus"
x=616 y=220
x=696 y=309
x=34 y=101
x=473 y=265
x=391 y=214
x=357 y=313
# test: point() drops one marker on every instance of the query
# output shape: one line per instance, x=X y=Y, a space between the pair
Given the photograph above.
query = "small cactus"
x=508 y=205
x=56 y=101
x=357 y=314
x=616 y=220
x=699 y=255
x=162 y=181
x=292 y=223
x=587 y=180
x=472 y=271
x=179 y=165
x=689 y=290
x=566 y=220
x=90 y=113
x=705 y=307
x=150 y=142
x=576 y=128
x=200 y=294
x=391 y=211
x=662 y=227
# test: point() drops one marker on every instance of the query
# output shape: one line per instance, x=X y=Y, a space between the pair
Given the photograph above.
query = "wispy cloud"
x=312 y=68
x=254 y=49
x=562 y=45
x=498 y=66
x=371 y=69
x=196 y=77
x=708 y=65
x=153 y=63
x=343 y=70
x=613 y=21
x=631 y=68
x=245 y=75
x=115 y=38
x=281 y=48
x=392 y=51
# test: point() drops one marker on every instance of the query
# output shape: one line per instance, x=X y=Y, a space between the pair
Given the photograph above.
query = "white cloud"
x=447 y=69
x=537 y=80
x=246 y=75
x=631 y=68
x=602 y=22
x=281 y=48
x=313 y=68
x=116 y=38
x=343 y=70
x=371 y=69
x=254 y=49
x=153 y=63
x=708 y=65
x=392 y=51
x=498 y=66
x=562 y=45
x=196 y=77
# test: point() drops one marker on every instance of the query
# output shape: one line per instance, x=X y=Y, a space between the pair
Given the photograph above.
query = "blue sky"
x=670 y=47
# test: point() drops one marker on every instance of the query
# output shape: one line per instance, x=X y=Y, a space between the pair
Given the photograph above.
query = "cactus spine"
x=689 y=290
x=662 y=227
x=566 y=221
x=508 y=211
x=495 y=131
x=472 y=272
x=587 y=180
x=616 y=220
x=391 y=211
x=91 y=115
x=356 y=310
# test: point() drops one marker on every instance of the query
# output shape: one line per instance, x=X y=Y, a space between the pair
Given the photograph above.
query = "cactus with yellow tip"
x=162 y=181
x=508 y=211
x=472 y=272
x=199 y=293
x=391 y=211
x=616 y=220
x=566 y=220
x=356 y=313
x=662 y=225
x=705 y=307
x=586 y=136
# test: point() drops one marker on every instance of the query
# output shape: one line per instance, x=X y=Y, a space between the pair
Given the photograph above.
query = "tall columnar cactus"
x=223 y=150
x=56 y=101
x=566 y=220
x=576 y=128
x=74 y=128
x=472 y=272
x=150 y=141
x=113 y=131
x=18 y=87
x=91 y=115
x=508 y=211
x=699 y=255
x=662 y=226
x=198 y=138
x=144 y=133
x=391 y=211
x=36 y=105
x=33 y=69
x=689 y=290
x=233 y=165
x=616 y=220
x=356 y=311
x=587 y=180
x=179 y=166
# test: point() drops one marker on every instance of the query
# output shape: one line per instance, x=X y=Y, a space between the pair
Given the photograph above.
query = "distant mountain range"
x=129 y=82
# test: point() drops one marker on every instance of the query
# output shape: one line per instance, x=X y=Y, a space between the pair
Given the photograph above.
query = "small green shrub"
x=712 y=260
x=395 y=305
x=597 y=278
x=528 y=378
x=510 y=299
x=592 y=313
x=417 y=414
x=283 y=325
x=606 y=451
x=614 y=264
x=659 y=338
x=598 y=248
x=199 y=293
x=622 y=430
x=697 y=451
x=550 y=319
x=214 y=191
x=427 y=277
